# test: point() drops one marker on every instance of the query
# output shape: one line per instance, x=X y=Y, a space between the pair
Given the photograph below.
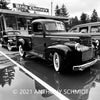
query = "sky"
x=74 y=7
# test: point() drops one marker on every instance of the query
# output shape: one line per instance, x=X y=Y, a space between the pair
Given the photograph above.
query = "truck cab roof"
x=45 y=20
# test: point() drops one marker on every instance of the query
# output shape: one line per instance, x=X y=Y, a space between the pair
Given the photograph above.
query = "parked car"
x=9 y=39
x=91 y=28
x=50 y=41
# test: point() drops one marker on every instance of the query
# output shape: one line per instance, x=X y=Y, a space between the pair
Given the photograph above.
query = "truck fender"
x=21 y=41
x=25 y=44
x=63 y=49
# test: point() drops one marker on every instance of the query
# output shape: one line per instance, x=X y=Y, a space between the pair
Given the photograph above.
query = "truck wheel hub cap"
x=56 y=61
x=21 y=51
x=9 y=47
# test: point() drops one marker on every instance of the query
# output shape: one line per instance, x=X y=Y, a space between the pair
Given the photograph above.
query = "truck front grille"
x=87 y=55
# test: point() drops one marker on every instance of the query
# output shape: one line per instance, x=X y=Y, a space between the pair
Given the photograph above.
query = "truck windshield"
x=54 y=26
x=13 y=33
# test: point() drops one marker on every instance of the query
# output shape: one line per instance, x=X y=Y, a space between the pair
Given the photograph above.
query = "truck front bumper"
x=83 y=66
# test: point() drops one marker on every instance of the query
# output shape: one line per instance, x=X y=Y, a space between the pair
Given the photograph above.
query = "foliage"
x=83 y=18
x=64 y=11
x=61 y=11
x=57 y=10
x=73 y=21
x=94 y=16
x=3 y=4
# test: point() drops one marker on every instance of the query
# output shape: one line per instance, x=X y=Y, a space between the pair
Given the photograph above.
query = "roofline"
x=88 y=24
x=31 y=15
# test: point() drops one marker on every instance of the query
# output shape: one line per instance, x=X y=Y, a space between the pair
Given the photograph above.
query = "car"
x=9 y=39
x=50 y=41
x=92 y=28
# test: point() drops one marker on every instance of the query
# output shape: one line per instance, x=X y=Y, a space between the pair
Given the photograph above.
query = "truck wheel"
x=9 y=47
x=58 y=62
x=22 y=52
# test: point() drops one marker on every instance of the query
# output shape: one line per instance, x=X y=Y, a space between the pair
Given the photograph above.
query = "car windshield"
x=54 y=26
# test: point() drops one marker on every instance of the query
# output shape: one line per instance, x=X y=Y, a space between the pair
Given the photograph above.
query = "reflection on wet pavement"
x=15 y=84
x=6 y=75
x=4 y=62
x=75 y=86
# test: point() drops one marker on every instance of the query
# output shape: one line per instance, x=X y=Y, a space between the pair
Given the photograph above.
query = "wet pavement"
x=15 y=84
x=74 y=85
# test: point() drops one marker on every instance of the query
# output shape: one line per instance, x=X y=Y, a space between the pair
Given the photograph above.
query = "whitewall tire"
x=57 y=62
x=9 y=47
x=22 y=52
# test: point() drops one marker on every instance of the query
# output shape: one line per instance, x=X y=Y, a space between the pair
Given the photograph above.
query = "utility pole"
x=51 y=7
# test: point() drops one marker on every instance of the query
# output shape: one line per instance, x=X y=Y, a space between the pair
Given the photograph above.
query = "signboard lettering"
x=34 y=8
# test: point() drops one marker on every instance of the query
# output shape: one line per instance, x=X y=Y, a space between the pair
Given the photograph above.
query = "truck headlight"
x=77 y=47
x=14 y=38
x=97 y=42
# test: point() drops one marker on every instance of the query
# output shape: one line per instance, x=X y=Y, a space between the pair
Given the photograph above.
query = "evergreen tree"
x=73 y=21
x=57 y=11
x=94 y=16
x=64 y=11
x=61 y=11
x=83 y=18
x=76 y=21
x=3 y=4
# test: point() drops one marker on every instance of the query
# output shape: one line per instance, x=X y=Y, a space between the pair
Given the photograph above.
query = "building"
x=15 y=20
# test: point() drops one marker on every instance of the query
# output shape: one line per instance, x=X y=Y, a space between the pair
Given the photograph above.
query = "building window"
x=11 y=22
x=22 y=24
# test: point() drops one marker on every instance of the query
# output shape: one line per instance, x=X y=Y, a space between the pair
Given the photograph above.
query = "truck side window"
x=37 y=27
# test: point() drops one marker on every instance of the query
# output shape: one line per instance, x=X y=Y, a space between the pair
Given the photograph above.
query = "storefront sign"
x=34 y=8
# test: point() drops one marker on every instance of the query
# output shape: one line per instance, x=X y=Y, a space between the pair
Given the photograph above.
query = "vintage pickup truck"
x=50 y=41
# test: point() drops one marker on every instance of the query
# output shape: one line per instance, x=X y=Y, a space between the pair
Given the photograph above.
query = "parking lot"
x=22 y=83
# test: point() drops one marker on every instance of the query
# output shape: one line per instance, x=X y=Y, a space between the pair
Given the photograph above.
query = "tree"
x=73 y=21
x=64 y=11
x=94 y=16
x=61 y=11
x=83 y=18
x=57 y=11
x=3 y=4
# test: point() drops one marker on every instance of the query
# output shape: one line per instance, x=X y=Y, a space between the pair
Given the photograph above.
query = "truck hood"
x=68 y=34
x=62 y=37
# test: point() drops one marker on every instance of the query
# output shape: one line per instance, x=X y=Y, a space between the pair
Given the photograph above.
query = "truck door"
x=38 y=38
